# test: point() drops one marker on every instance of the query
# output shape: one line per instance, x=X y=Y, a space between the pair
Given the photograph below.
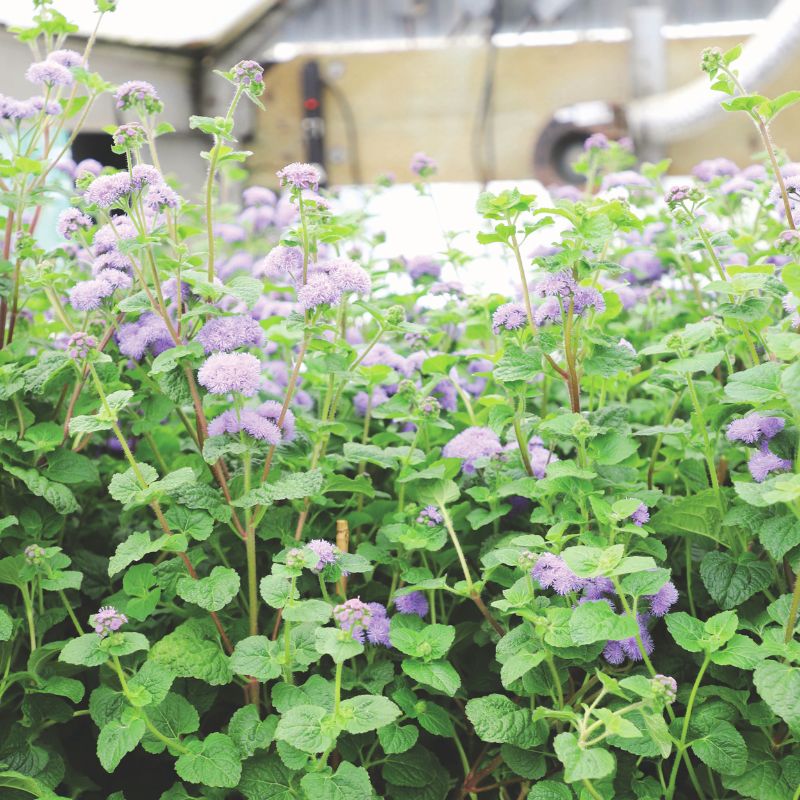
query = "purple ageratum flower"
x=108 y=190
x=628 y=179
x=642 y=266
x=641 y=515
x=423 y=265
x=90 y=166
x=566 y=192
x=106 y=237
x=764 y=461
x=160 y=197
x=112 y=260
x=71 y=220
x=49 y=73
x=510 y=317
x=326 y=553
x=281 y=262
x=107 y=620
x=677 y=194
x=548 y=311
x=259 y=196
x=223 y=334
x=138 y=94
x=754 y=428
x=319 y=291
x=738 y=184
x=353 y=616
x=378 y=628
x=129 y=135
x=712 y=168
x=362 y=400
x=260 y=427
x=586 y=297
x=540 y=457
x=597 y=141
x=89 y=295
x=300 y=176
x=430 y=516
x=412 y=603
x=34 y=553
x=145 y=175
x=472 y=444
x=346 y=275
x=271 y=410
x=665 y=686
x=556 y=284
x=423 y=165
x=247 y=73
x=598 y=588
x=67 y=58
x=150 y=331
x=223 y=373
x=615 y=652
x=552 y=573
x=116 y=278
x=663 y=599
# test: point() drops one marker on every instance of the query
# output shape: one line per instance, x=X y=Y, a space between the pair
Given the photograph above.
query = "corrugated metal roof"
x=346 y=20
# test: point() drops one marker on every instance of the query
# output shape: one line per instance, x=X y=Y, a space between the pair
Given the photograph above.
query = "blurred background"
x=492 y=89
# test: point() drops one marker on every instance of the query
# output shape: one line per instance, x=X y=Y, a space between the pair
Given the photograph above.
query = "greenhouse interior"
x=400 y=400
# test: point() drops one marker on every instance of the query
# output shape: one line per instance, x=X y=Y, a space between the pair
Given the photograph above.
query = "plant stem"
x=709 y=453
x=685 y=729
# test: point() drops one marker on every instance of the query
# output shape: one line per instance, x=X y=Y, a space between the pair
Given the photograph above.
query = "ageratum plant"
x=282 y=520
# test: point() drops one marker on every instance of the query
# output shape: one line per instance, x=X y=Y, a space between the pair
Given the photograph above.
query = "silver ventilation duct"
x=679 y=114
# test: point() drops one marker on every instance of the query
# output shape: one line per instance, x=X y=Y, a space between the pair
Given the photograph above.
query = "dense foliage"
x=284 y=520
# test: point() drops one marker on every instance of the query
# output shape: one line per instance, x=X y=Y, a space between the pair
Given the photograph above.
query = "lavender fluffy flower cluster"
x=329 y=281
x=412 y=603
x=430 y=516
x=223 y=334
x=509 y=317
x=107 y=620
x=300 y=176
x=262 y=423
x=559 y=290
x=472 y=444
x=551 y=572
x=149 y=332
x=79 y=345
x=138 y=95
x=224 y=373
x=72 y=220
x=364 y=621
x=758 y=431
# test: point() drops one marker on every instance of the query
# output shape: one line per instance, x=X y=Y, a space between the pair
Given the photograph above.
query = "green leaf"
x=396 y=738
x=550 y=790
x=700 y=362
x=410 y=635
x=276 y=590
x=779 y=489
x=65 y=466
x=722 y=748
x=757 y=385
x=84 y=651
x=740 y=651
x=249 y=732
x=497 y=719
x=134 y=548
x=174 y=717
x=265 y=777
x=193 y=650
x=305 y=727
x=779 y=686
x=779 y=535
x=367 y=712
x=733 y=580
x=6 y=625
x=196 y=524
x=212 y=593
x=56 y=494
x=347 y=783
x=295 y=486
x=698 y=514
x=438 y=674
x=596 y=621
x=117 y=738
x=687 y=631
x=339 y=645
x=214 y=761
x=256 y=657
x=719 y=629
x=517 y=364
x=581 y=764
